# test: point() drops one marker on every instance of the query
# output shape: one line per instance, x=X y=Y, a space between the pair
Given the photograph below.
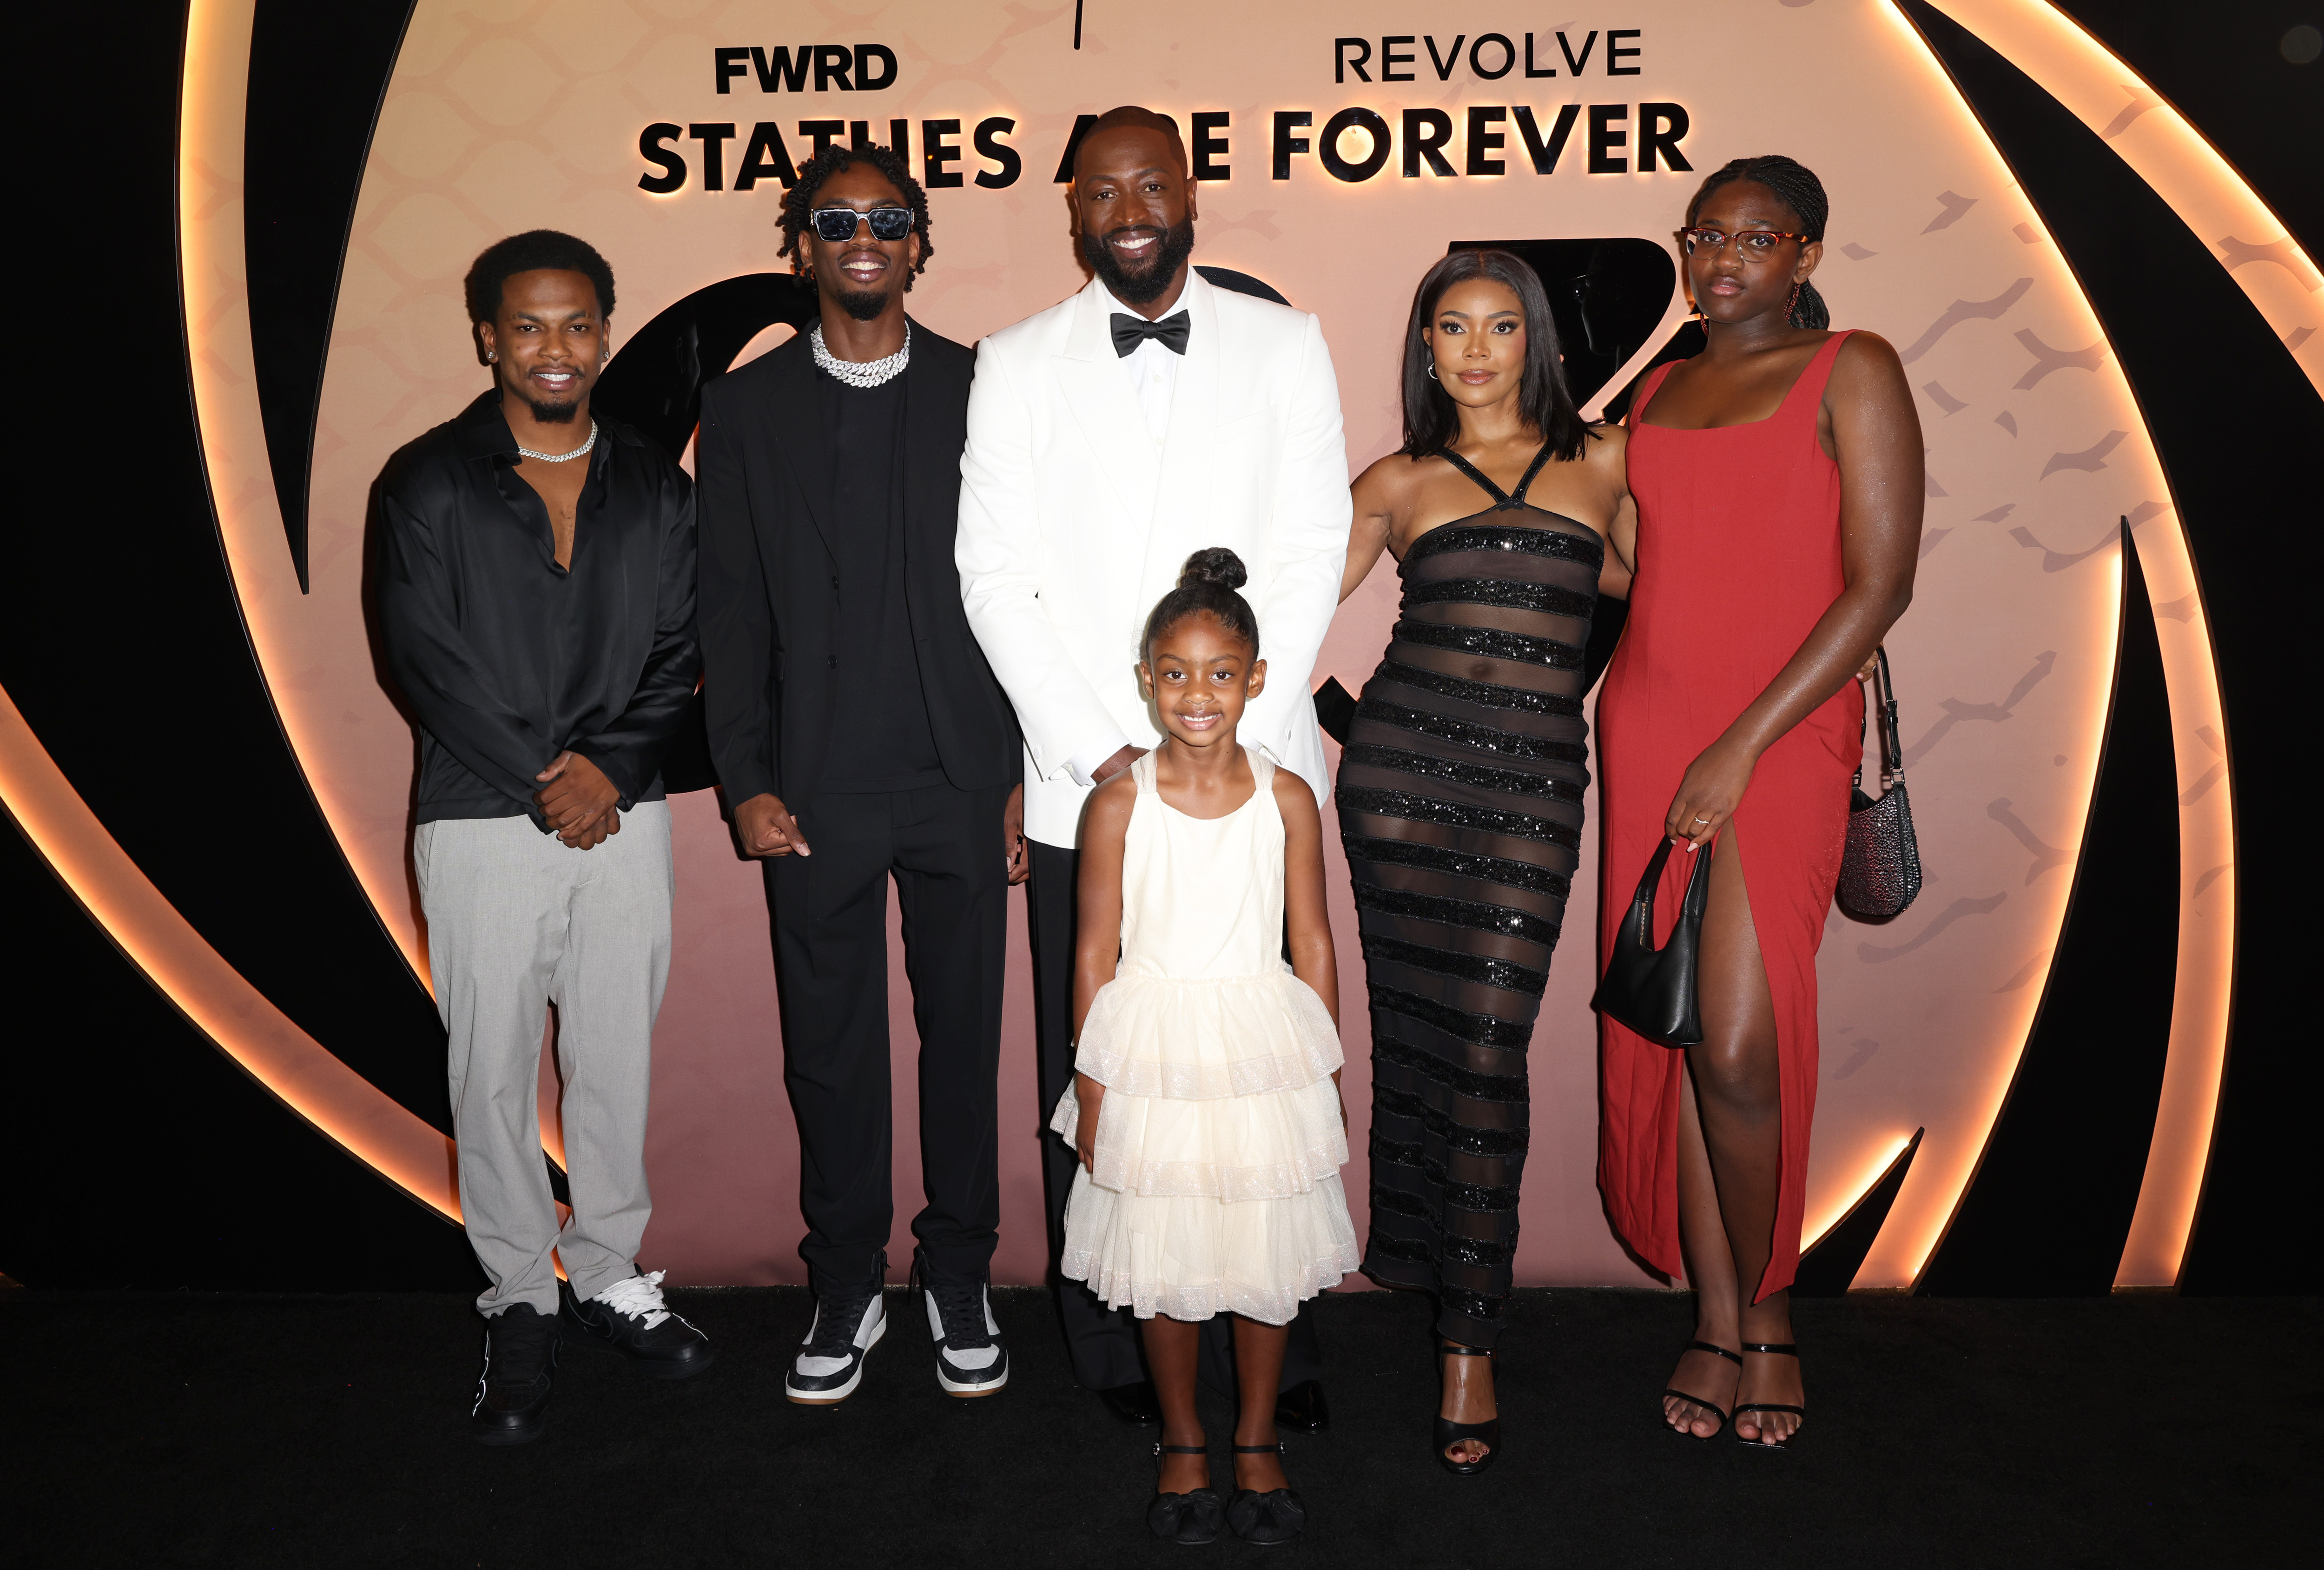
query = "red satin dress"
x=1738 y=557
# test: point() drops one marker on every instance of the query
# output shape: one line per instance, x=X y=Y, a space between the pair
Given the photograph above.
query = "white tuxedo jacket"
x=1072 y=523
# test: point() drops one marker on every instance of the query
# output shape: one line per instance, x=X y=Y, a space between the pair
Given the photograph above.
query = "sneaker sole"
x=833 y=1396
x=647 y=1368
x=970 y=1392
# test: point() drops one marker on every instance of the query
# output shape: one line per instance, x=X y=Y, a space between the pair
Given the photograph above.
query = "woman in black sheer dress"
x=1460 y=791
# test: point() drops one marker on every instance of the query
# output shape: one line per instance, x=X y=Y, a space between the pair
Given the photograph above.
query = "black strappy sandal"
x=1266 y=1520
x=1449 y=1433
x=1734 y=1357
x=1190 y=1519
x=1787 y=1349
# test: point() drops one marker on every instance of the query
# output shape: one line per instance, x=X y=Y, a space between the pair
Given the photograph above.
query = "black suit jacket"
x=771 y=635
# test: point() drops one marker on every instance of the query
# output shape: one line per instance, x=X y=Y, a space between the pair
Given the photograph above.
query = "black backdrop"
x=138 y=1155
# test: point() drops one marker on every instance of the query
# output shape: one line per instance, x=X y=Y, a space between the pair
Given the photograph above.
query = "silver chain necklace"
x=563 y=457
x=864 y=373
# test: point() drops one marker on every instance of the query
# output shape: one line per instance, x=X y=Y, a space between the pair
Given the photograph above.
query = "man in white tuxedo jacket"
x=1110 y=436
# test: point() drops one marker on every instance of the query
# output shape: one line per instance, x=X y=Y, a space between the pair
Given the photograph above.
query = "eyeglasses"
x=837 y=224
x=1751 y=244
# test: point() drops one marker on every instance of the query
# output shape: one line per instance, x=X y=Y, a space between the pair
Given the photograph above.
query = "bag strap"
x=1892 y=745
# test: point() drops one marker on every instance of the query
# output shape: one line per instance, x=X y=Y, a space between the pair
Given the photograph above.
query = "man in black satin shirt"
x=535 y=580
x=861 y=736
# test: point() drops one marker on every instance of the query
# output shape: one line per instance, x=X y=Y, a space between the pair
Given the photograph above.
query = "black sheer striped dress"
x=1459 y=797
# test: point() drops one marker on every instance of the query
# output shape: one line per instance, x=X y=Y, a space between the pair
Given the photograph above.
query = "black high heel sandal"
x=1189 y=1520
x=1734 y=1357
x=1266 y=1520
x=1449 y=1433
x=1787 y=1349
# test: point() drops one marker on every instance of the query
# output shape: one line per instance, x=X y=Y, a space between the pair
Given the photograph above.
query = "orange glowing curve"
x=2167 y=154
x=1853 y=1196
x=296 y=1069
x=2215 y=204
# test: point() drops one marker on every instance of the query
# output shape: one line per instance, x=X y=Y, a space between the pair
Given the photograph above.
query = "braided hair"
x=1797 y=188
x=1206 y=587
x=817 y=172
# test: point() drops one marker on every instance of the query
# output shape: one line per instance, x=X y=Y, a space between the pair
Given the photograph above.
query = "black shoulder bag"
x=1652 y=989
x=1880 y=871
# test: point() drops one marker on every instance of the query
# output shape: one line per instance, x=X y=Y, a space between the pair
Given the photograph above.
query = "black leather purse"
x=1880 y=869
x=1652 y=989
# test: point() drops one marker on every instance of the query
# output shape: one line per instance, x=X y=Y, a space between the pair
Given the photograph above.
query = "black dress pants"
x=830 y=911
x=1103 y=1342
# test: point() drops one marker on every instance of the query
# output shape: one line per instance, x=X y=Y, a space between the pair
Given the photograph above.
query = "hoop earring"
x=1432 y=373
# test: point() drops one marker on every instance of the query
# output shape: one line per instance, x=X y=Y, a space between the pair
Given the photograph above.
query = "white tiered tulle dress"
x=1216 y=1186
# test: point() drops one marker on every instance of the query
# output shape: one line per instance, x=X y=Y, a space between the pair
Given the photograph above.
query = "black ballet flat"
x=1734 y=1357
x=1189 y=1520
x=1266 y=1520
x=1449 y=1433
x=1786 y=1350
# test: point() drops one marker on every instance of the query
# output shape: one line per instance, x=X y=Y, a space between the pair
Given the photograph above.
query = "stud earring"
x=492 y=356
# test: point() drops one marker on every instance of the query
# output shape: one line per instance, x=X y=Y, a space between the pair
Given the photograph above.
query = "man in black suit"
x=858 y=734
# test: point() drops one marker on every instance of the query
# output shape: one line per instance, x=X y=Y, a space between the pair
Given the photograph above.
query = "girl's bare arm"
x=1097 y=940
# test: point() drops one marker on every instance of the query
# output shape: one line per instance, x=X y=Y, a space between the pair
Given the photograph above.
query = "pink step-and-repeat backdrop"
x=508 y=114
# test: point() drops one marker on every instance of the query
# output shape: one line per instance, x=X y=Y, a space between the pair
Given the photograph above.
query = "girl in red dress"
x=1778 y=483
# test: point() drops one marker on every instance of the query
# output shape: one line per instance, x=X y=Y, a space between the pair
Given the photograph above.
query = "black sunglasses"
x=837 y=224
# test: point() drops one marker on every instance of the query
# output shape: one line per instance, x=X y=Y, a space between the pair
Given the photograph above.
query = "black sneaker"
x=511 y=1393
x=630 y=1318
x=972 y=1360
x=830 y=1362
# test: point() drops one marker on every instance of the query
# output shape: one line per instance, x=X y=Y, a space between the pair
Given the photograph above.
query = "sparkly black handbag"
x=1880 y=870
x=1652 y=989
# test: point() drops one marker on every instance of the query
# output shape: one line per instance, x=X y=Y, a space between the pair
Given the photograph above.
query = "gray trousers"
x=516 y=921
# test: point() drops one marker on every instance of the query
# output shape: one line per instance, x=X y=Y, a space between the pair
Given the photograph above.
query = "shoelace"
x=516 y=1351
x=638 y=1297
x=835 y=1325
x=962 y=1309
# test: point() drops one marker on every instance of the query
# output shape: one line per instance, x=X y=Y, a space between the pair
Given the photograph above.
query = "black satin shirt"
x=508 y=658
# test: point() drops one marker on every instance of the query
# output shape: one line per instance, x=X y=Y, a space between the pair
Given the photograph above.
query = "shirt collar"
x=1185 y=291
x=483 y=432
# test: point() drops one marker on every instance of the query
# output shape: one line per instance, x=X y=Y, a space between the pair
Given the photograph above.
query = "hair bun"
x=1217 y=565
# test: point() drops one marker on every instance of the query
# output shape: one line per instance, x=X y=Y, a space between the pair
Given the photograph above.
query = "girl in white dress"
x=1205 y=1103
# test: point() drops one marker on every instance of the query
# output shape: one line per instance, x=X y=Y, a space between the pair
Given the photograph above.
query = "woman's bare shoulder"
x=1867 y=353
x=1395 y=476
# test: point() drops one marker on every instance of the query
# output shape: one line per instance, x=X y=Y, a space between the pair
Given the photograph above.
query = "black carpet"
x=153 y=1430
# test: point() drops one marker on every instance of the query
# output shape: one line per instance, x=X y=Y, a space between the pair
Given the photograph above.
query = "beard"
x=553 y=413
x=863 y=304
x=1146 y=285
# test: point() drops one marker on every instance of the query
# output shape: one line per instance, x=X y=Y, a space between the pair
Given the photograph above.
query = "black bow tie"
x=1129 y=331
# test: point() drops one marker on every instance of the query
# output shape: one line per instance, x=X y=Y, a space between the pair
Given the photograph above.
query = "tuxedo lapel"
x=799 y=435
x=1106 y=410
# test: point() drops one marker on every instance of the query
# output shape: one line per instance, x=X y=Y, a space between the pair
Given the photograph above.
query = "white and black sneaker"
x=830 y=1362
x=972 y=1360
x=631 y=1317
